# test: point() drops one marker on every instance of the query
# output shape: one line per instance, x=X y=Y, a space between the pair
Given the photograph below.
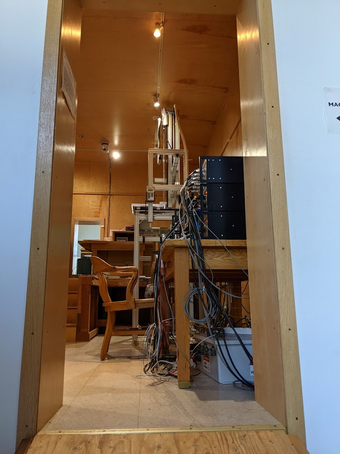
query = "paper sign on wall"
x=332 y=110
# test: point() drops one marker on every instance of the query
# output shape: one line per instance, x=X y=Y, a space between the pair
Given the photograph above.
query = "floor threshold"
x=165 y=430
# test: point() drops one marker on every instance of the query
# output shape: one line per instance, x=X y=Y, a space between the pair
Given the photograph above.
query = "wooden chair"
x=102 y=271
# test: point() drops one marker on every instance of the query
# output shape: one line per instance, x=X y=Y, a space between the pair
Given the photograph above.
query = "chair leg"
x=111 y=319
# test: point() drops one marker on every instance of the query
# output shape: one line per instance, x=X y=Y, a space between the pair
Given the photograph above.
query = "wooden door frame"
x=287 y=344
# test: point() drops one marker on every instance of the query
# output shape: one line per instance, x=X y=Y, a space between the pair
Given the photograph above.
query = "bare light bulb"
x=157 y=33
x=116 y=155
x=156 y=103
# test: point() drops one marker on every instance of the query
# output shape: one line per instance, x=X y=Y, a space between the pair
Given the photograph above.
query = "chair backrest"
x=102 y=270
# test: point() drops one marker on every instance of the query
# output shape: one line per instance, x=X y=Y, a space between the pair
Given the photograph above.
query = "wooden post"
x=236 y=304
x=181 y=277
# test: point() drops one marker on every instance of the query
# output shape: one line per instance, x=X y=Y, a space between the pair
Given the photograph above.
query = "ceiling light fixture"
x=105 y=146
x=116 y=155
x=156 y=102
x=158 y=30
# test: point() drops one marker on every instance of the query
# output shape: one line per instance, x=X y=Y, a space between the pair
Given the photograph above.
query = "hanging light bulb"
x=156 y=102
x=157 y=33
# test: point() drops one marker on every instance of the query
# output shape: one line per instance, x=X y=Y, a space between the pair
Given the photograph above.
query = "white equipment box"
x=214 y=366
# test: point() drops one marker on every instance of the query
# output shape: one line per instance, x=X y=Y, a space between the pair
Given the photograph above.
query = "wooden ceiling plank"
x=225 y=7
x=118 y=77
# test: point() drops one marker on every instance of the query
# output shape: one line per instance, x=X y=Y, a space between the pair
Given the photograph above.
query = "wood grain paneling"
x=226 y=139
x=276 y=358
x=252 y=102
x=56 y=290
x=128 y=185
x=284 y=275
x=129 y=179
x=269 y=385
x=191 y=442
x=177 y=6
x=91 y=177
x=31 y=358
x=44 y=337
x=234 y=147
x=90 y=206
x=121 y=68
x=121 y=214
x=268 y=368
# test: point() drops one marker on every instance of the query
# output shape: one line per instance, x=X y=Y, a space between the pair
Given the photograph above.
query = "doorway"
x=252 y=19
x=83 y=230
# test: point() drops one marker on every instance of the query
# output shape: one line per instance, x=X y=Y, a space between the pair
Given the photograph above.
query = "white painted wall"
x=307 y=39
x=22 y=31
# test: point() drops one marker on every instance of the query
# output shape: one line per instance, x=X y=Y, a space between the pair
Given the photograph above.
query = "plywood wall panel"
x=99 y=177
x=226 y=137
x=234 y=147
x=81 y=177
x=128 y=185
x=91 y=177
x=90 y=206
x=129 y=178
x=121 y=214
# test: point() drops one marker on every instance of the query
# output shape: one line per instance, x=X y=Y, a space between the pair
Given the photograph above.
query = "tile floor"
x=114 y=394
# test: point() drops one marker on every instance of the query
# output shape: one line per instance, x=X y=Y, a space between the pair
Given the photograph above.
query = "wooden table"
x=113 y=252
x=177 y=263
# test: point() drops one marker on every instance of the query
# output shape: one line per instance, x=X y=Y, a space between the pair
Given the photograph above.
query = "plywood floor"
x=224 y=442
x=114 y=395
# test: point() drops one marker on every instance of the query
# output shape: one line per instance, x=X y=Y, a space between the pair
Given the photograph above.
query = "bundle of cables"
x=204 y=293
x=161 y=332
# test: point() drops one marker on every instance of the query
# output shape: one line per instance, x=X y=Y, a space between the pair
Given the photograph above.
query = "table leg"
x=236 y=305
x=181 y=278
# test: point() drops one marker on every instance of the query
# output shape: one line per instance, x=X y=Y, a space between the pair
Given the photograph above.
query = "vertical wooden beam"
x=181 y=278
x=60 y=219
x=275 y=347
x=31 y=358
x=269 y=385
x=283 y=261
x=41 y=388
x=236 y=304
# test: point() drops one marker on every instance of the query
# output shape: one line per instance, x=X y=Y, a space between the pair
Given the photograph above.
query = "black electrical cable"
x=195 y=243
x=216 y=317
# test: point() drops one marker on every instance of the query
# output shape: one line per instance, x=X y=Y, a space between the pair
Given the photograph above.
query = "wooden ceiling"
x=120 y=68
